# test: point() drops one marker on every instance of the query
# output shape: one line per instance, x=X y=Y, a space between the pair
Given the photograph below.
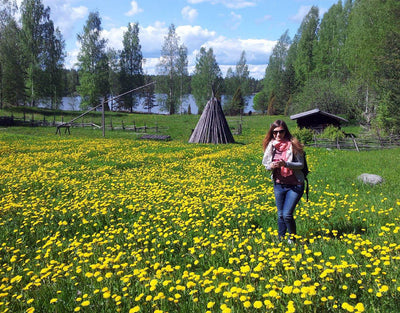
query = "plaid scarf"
x=283 y=147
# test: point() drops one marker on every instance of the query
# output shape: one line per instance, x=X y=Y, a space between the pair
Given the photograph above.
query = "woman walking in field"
x=284 y=156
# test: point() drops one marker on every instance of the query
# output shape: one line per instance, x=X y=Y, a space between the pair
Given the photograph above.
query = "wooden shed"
x=317 y=120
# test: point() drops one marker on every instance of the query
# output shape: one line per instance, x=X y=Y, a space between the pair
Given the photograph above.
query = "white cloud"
x=231 y=4
x=265 y=18
x=65 y=15
x=257 y=71
x=114 y=37
x=193 y=37
x=72 y=57
x=236 y=20
x=189 y=13
x=301 y=13
x=150 y=65
x=134 y=9
x=227 y=51
x=151 y=37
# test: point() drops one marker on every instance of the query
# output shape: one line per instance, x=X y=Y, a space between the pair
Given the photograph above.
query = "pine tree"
x=278 y=79
x=307 y=34
x=388 y=112
x=370 y=22
x=114 y=70
x=12 y=88
x=131 y=75
x=235 y=79
x=243 y=75
x=43 y=49
x=53 y=60
x=183 y=76
x=328 y=52
x=238 y=103
x=207 y=78
x=149 y=95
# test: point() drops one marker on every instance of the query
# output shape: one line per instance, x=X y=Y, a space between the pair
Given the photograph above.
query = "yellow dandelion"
x=360 y=307
x=268 y=304
x=106 y=295
x=210 y=304
x=384 y=288
x=290 y=307
x=85 y=303
x=258 y=304
x=153 y=282
x=135 y=309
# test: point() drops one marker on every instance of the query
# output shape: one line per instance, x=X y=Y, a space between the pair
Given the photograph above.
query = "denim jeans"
x=287 y=197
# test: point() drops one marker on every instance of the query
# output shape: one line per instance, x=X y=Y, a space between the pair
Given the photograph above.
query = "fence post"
x=355 y=143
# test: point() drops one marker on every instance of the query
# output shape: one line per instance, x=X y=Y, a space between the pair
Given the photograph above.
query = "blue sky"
x=228 y=26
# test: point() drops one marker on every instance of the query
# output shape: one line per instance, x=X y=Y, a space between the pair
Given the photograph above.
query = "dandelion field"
x=91 y=224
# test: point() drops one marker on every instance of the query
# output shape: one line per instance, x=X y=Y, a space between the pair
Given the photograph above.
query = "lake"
x=73 y=104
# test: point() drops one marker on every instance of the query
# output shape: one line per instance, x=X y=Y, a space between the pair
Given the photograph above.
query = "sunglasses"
x=282 y=131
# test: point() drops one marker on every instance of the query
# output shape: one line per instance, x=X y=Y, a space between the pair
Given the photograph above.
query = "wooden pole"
x=355 y=143
x=103 y=119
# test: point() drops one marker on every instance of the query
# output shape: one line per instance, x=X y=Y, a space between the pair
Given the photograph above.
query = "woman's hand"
x=278 y=164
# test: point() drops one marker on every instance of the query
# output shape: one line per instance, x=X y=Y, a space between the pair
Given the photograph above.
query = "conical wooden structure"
x=212 y=126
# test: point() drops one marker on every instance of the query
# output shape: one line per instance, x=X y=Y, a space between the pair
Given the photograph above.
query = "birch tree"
x=92 y=63
x=168 y=83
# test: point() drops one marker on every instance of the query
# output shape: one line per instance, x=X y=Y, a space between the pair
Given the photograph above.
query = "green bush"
x=332 y=133
x=304 y=135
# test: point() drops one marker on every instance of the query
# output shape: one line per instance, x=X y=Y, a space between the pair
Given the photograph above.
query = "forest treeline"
x=347 y=63
x=32 y=54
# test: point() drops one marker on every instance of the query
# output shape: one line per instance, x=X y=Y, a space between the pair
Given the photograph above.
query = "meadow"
x=118 y=224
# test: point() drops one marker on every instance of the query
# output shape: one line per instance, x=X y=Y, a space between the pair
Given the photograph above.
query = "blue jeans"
x=286 y=198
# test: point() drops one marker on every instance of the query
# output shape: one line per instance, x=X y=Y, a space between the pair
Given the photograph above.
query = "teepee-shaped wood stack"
x=212 y=126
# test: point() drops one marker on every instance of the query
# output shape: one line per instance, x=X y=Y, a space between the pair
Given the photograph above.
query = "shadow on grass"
x=337 y=230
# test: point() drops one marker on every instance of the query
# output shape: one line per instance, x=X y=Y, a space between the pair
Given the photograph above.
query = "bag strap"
x=307 y=187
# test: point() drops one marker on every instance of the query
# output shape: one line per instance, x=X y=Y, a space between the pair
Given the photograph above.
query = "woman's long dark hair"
x=297 y=146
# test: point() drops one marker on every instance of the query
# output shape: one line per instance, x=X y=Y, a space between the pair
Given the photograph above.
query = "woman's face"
x=279 y=133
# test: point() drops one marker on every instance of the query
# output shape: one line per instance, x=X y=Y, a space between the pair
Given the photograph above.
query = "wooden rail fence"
x=359 y=144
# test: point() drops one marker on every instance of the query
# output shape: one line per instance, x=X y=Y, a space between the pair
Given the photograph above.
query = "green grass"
x=95 y=224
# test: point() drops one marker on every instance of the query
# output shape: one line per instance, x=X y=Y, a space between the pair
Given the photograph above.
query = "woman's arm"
x=267 y=159
x=297 y=161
